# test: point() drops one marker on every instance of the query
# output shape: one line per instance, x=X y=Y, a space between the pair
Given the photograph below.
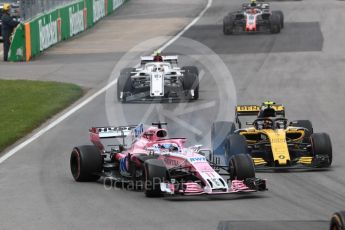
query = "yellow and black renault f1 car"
x=271 y=140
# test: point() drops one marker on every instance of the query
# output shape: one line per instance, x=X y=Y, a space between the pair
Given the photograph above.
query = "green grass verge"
x=24 y=105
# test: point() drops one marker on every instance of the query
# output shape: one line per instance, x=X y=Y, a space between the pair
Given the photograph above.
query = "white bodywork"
x=157 y=74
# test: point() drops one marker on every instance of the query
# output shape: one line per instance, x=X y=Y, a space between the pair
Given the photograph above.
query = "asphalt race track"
x=303 y=68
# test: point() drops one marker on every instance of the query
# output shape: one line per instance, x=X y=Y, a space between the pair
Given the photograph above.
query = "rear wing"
x=253 y=110
x=170 y=59
x=131 y=132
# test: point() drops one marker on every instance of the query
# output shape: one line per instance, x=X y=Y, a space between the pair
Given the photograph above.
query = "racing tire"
x=155 y=173
x=228 y=25
x=124 y=83
x=338 y=221
x=321 y=145
x=236 y=144
x=191 y=69
x=307 y=125
x=275 y=23
x=220 y=132
x=191 y=82
x=281 y=16
x=241 y=167
x=86 y=162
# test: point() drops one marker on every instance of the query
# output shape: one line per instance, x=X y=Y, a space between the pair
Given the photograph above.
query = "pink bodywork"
x=187 y=158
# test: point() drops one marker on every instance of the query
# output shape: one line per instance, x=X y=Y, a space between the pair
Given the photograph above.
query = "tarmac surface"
x=302 y=68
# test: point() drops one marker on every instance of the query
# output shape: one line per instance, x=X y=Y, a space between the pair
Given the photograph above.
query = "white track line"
x=90 y=98
x=209 y=4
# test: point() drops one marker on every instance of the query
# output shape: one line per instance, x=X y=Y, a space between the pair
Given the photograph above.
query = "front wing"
x=249 y=185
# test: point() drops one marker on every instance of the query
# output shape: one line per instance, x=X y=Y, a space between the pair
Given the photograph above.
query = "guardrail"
x=38 y=34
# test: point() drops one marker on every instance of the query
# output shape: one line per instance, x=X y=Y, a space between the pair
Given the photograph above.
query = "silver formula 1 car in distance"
x=160 y=80
x=250 y=18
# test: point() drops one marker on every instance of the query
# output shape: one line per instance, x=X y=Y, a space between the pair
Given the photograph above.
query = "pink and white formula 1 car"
x=160 y=165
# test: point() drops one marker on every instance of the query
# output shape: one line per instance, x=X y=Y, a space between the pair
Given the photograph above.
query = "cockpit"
x=161 y=67
x=267 y=123
x=166 y=147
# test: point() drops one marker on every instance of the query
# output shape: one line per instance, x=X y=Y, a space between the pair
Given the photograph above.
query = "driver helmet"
x=267 y=124
x=157 y=56
x=170 y=146
x=6 y=7
x=253 y=2
x=267 y=110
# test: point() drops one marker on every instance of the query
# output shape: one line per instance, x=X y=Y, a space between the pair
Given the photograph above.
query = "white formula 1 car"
x=158 y=80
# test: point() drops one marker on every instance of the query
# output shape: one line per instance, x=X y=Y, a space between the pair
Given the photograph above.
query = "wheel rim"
x=75 y=164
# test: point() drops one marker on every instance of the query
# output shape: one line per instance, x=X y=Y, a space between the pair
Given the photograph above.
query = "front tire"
x=228 y=25
x=321 y=145
x=241 y=167
x=85 y=163
x=191 y=69
x=155 y=173
x=191 y=82
x=124 y=83
x=281 y=16
x=275 y=23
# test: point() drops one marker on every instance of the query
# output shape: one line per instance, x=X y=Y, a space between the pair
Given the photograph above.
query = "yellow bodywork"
x=256 y=108
x=279 y=147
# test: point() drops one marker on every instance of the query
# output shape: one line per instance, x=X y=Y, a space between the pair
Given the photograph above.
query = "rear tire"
x=85 y=162
x=228 y=25
x=338 y=221
x=220 y=131
x=124 y=83
x=307 y=125
x=155 y=173
x=275 y=23
x=321 y=145
x=236 y=144
x=241 y=167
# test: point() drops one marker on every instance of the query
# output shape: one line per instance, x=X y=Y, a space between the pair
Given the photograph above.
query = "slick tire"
x=241 y=167
x=338 y=221
x=155 y=173
x=307 y=125
x=236 y=144
x=220 y=132
x=281 y=16
x=86 y=162
x=321 y=145
x=275 y=24
x=124 y=83
x=191 y=82
x=191 y=69
x=228 y=25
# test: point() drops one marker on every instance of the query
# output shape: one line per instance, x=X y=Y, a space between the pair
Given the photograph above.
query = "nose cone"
x=251 y=27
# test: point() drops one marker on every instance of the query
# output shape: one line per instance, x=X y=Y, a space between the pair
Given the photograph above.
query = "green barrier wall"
x=17 y=51
x=58 y=25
